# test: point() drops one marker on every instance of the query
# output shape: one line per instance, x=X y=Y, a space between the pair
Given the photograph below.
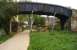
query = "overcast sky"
x=66 y=3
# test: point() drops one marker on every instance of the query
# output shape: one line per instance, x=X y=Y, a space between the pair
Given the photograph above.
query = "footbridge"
x=63 y=13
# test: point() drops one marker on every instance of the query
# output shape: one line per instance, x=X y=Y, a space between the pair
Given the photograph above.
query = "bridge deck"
x=43 y=9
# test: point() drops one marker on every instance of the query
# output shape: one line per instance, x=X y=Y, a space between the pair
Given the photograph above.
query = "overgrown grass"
x=3 y=38
x=57 y=40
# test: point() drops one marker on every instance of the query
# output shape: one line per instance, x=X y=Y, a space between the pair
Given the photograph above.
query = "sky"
x=66 y=3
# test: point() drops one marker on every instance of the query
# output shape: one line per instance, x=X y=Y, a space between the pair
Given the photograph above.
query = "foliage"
x=7 y=10
x=23 y=17
x=38 y=20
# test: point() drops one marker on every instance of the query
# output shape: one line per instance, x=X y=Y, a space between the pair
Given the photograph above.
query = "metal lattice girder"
x=43 y=9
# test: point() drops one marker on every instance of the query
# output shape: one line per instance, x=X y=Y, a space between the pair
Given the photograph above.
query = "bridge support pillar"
x=62 y=22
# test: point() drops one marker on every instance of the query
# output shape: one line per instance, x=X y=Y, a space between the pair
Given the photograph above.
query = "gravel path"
x=18 y=42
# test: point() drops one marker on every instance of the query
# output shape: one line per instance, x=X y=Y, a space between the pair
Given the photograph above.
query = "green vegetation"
x=7 y=10
x=58 y=40
x=3 y=38
x=38 y=20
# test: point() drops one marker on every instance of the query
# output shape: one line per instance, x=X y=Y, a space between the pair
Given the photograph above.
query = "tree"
x=7 y=10
x=38 y=20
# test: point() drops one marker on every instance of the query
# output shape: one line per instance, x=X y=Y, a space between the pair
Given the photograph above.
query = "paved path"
x=19 y=42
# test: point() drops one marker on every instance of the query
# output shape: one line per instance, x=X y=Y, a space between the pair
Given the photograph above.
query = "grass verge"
x=57 y=40
x=3 y=38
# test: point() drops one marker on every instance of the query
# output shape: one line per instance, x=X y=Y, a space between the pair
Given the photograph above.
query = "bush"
x=39 y=21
